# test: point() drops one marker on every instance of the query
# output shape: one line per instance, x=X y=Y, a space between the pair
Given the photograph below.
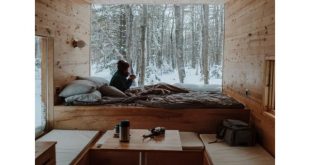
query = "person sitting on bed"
x=119 y=79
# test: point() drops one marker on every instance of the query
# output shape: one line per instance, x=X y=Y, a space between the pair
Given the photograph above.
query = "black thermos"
x=124 y=131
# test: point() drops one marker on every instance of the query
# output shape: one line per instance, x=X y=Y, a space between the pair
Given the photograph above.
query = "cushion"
x=70 y=143
x=99 y=81
x=191 y=141
x=78 y=87
x=220 y=153
x=88 y=97
x=111 y=91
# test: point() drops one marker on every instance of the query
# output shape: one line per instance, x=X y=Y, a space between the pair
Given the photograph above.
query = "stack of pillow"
x=89 y=89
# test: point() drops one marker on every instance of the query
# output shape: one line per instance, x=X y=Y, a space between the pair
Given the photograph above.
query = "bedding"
x=99 y=81
x=111 y=91
x=166 y=96
x=87 y=97
x=192 y=100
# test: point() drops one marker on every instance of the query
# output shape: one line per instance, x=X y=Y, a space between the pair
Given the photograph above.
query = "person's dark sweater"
x=120 y=81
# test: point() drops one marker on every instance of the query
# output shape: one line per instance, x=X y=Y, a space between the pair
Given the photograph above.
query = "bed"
x=168 y=106
x=168 y=96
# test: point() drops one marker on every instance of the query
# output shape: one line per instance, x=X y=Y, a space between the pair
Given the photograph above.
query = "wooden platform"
x=220 y=153
x=105 y=117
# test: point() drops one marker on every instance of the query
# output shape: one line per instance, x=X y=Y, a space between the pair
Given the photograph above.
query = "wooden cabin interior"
x=83 y=134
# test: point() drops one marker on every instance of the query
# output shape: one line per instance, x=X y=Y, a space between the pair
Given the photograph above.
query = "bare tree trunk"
x=221 y=34
x=122 y=29
x=194 y=48
x=173 y=46
x=205 y=43
x=217 y=36
x=148 y=35
x=129 y=33
x=160 y=55
x=179 y=42
x=143 y=45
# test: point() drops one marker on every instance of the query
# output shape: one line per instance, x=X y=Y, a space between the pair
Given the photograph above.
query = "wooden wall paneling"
x=105 y=117
x=64 y=21
x=249 y=39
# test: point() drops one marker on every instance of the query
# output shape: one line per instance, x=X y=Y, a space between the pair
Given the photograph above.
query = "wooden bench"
x=191 y=141
x=220 y=153
x=72 y=145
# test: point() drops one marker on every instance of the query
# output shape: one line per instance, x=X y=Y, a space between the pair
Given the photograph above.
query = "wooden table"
x=45 y=153
x=170 y=142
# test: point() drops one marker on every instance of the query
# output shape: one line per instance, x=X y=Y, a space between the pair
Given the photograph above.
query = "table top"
x=169 y=142
x=41 y=147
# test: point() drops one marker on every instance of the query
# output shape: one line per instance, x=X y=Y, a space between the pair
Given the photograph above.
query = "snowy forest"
x=163 y=43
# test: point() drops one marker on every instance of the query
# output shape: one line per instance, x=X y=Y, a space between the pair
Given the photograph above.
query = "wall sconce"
x=79 y=43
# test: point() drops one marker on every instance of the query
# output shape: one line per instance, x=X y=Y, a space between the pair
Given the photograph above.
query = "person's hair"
x=122 y=65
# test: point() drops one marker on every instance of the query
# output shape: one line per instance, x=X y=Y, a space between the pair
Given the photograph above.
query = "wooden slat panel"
x=105 y=117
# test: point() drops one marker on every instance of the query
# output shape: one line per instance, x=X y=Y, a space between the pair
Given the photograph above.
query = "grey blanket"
x=173 y=101
x=191 y=100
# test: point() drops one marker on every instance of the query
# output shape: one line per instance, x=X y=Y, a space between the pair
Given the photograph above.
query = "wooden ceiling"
x=157 y=1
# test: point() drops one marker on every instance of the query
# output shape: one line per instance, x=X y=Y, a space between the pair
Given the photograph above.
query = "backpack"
x=236 y=133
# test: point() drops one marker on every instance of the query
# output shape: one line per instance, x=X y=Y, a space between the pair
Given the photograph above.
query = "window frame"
x=47 y=85
x=269 y=86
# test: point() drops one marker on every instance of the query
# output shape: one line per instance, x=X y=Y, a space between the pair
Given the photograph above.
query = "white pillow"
x=111 y=91
x=88 y=97
x=78 y=87
x=99 y=81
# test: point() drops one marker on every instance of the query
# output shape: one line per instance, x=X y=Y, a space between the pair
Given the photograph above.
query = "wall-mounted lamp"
x=79 y=43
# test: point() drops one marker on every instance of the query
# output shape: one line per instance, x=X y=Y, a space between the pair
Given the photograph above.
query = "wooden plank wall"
x=249 y=40
x=65 y=20
x=105 y=118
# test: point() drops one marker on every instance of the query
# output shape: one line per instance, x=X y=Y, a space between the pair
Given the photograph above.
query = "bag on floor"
x=236 y=133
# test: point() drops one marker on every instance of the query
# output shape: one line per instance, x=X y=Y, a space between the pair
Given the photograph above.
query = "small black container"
x=124 y=127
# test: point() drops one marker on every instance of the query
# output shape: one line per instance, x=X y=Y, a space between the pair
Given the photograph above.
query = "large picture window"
x=163 y=43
